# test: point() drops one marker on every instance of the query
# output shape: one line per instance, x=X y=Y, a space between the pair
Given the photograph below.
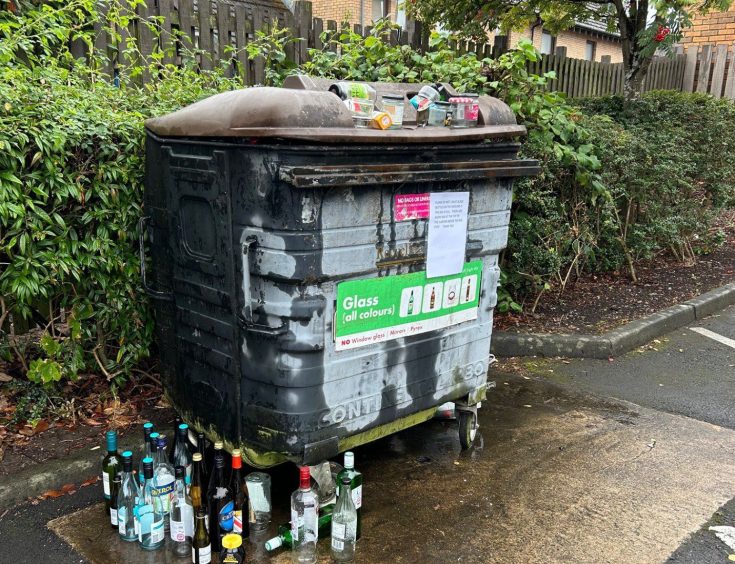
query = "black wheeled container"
x=286 y=262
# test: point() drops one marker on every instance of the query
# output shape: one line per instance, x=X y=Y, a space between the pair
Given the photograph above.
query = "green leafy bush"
x=71 y=173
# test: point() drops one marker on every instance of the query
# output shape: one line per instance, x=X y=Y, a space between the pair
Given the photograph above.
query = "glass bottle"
x=344 y=525
x=355 y=486
x=232 y=549
x=346 y=90
x=201 y=548
x=238 y=491
x=196 y=490
x=220 y=503
x=172 y=446
x=127 y=499
x=201 y=447
x=114 y=490
x=285 y=539
x=163 y=480
x=304 y=522
x=181 y=454
x=181 y=522
x=149 y=449
x=149 y=520
x=111 y=465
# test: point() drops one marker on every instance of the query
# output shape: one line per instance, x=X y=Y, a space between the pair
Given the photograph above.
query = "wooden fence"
x=220 y=30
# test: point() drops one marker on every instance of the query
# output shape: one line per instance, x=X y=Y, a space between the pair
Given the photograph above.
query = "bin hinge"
x=246 y=317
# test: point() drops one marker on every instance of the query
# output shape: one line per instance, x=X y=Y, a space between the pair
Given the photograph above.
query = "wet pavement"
x=556 y=476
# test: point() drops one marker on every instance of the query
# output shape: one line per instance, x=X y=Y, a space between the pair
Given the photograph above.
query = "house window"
x=590 y=51
x=548 y=43
x=380 y=9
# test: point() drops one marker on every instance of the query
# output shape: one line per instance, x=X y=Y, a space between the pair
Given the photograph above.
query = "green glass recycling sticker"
x=380 y=309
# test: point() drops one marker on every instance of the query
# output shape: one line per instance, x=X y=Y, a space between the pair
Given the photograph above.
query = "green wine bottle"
x=355 y=486
x=111 y=466
x=284 y=533
x=201 y=548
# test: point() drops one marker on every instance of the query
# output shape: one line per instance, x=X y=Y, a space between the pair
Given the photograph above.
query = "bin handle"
x=152 y=292
x=247 y=314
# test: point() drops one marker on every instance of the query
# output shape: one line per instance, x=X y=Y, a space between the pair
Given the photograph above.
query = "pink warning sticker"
x=411 y=206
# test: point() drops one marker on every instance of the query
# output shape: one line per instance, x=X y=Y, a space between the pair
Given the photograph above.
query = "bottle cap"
x=305 y=477
x=127 y=457
x=180 y=472
x=162 y=441
x=148 y=425
x=111 y=437
x=197 y=457
x=273 y=543
x=148 y=467
x=154 y=436
x=236 y=458
x=349 y=460
x=183 y=429
x=231 y=541
x=219 y=445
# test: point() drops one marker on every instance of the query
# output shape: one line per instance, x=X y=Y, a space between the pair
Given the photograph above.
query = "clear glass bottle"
x=355 y=486
x=346 y=90
x=304 y=519
x=219 y=502
x=148 y=450
x=181 y=521
x=111 y=465
x=201 y=547
x=163 y=480
x=344 y=525
x=149 y=519
x=114 y=490
x=127 y=499
x=181 y=454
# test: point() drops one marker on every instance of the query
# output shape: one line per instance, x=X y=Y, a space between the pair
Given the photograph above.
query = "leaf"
x=89 y=481
x=52 y=494
x=93 y=422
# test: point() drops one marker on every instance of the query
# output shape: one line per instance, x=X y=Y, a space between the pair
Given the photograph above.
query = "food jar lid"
x=392 y=96
x=460 y=100
x=470 y=95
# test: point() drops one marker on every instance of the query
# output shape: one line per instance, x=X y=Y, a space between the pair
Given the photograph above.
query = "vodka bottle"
x=149 y=448
x=181 y=454
x=344 y=525
x=181 y=520
x=304 y=521
x=111 y=465
x=127 y=499
x=149 y=519
x=163 y=480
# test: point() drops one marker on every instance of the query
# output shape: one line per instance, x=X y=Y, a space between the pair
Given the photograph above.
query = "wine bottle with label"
x=197 y=492
x=355 y=486
x=344 y=524
x=239 y=496
x=149 y=521
x=181 y=520
x=127 y=499
x=220 y=503
x=114 y=490
x=111 y=465
x=201 y=548
x=304 y=519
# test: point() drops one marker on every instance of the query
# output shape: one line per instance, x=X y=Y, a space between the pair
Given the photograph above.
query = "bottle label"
x=113 y=517
x=162 y=497
x=106 y=484
x=187 y=516
x=338 y=530
x=358 y=91
x=230 y=558
x=357 y=496
x=121 y=518
x=136 y=527
x=338 y=544
x=226 y=516
x=311 y=522
x=296 y=523
x=237 y=521
x=177 y=530
x=202 y=555
x=157 y=532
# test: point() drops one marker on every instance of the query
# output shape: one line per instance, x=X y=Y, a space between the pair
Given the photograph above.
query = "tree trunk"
x=635 y=69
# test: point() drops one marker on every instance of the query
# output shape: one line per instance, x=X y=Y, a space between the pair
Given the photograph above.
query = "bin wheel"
x=467 y=428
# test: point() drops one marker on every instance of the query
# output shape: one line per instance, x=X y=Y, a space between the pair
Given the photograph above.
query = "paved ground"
x=560 y=474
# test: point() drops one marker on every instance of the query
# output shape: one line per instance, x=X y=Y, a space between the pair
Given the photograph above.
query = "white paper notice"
x=448 y=213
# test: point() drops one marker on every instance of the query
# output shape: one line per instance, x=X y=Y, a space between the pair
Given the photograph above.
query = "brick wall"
x=576 y=44
x=713 y=28
x=348 y=10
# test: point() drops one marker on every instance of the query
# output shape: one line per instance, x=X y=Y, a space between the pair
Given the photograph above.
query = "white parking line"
x=714 y=336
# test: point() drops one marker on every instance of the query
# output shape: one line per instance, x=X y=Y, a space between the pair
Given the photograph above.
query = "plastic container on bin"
x=265 y=205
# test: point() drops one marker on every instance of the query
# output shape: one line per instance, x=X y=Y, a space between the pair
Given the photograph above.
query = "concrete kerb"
x=618 y=341
x=33 y=480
